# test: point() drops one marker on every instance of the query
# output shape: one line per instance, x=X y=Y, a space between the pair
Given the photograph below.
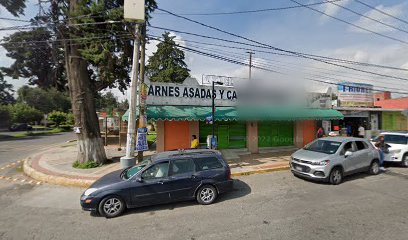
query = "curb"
x=268 y=170
x=52 y=179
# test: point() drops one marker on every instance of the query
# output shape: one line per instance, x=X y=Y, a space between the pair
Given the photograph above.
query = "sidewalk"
x=55 y=165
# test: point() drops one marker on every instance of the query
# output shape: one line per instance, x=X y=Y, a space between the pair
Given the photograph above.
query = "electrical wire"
x=381 y=11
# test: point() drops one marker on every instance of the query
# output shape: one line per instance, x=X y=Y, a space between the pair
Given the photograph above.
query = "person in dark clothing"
x=382 y=147
x=320 y=133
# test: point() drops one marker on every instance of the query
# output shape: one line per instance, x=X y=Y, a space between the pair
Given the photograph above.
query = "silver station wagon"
x=332 y=158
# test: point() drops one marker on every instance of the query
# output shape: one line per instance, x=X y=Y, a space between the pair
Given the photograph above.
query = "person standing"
x=361 y=131
x=381 y=146
x=195 y=143
x=320 y=132
x=349 y=130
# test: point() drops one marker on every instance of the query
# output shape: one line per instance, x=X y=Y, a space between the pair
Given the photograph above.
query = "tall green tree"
x=45 y=100
x=6 y=91
x=98 y=56
x=15 y=7
x=167 y=63
x=105 y=102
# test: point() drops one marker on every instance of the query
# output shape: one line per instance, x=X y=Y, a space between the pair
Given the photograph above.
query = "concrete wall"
x=252 y=137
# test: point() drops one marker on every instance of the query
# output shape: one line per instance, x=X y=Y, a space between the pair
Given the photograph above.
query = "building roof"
x=200 y=113
x=398 y=103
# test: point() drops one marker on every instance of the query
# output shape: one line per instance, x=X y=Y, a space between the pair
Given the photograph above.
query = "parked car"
x=332 y=158
x=397 y=143
x=20 y=127
x=165 y=177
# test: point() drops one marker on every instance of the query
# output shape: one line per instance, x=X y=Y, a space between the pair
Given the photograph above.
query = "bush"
x=70 y=119
x=57 y=117
x=5 y=117
x=66 y=128
x=23 y=113
x=85 y=165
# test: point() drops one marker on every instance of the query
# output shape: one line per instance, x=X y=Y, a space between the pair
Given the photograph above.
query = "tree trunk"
x=90 y=144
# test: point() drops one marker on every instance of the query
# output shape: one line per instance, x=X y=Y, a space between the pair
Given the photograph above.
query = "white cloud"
x=396 y=10
x=332 y=9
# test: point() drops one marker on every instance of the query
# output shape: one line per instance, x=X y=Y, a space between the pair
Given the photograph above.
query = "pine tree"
x=167 y=63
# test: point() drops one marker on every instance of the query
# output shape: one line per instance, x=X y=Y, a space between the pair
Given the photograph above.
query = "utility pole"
x=129 y=159
x=250 y=64
x=142 y=102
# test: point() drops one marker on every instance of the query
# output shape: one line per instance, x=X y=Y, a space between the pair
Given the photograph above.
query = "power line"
x=254 y=11
x=383 y=12
x=261 y=66
x=349 y=23
x=280 y=49
x=370 y=18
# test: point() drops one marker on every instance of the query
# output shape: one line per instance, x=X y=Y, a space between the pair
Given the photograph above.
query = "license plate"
x=299 y=168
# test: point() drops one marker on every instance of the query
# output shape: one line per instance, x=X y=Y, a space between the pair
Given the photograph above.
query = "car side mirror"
x=139 y=179
x=348 y=153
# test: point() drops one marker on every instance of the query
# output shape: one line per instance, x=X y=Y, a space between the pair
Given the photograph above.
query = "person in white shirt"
x=361 y=131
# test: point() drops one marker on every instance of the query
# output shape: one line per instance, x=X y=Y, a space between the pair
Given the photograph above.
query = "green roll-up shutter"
x=237 y=135
x=274 y=134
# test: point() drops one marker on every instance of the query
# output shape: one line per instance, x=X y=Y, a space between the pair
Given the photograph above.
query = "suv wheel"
x=336 y=176
x=404 y=162
x=374 y=167
x=111 y=206
x=206 y=194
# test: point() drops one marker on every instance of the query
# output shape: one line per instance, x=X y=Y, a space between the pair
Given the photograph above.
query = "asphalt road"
x=14 y=149
x=263 y=206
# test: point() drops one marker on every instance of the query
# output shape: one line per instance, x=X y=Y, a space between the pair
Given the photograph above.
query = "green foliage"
x=41 y=63
x=167 y=63
x=4 y=116
x=44 y=100
x=15 y=7
x=105 y=102
x=23 y=113
x=85 y=165
x=70 y=119
x=6 y=91
x=57 y=117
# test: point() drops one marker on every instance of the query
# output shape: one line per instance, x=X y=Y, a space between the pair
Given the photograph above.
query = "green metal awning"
x=199 y=113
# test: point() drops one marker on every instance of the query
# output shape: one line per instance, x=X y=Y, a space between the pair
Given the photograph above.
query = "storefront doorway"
x=275 y=134
x=230 y=134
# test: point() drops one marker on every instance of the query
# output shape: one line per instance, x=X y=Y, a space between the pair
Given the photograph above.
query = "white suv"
x=398 y=147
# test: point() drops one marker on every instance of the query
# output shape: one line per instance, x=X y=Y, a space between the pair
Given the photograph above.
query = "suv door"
x=154 y=187
x=350 y=162
x=183 y=179
x=210 y=167
x=362 y=154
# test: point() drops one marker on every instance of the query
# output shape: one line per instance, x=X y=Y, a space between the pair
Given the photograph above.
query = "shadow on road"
x=241 y=189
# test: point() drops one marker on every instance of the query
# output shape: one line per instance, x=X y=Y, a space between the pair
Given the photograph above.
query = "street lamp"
x=213 y=114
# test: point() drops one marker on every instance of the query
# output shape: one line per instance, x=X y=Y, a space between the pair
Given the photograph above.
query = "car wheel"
x=404 y=162
x=206 y=194
x=336 y=176
x=111 y=206
x=374 y=167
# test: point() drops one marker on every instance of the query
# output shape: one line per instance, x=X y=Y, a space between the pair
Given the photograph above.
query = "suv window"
x=182 y=166
x=361 y=145
x=207 y=163
x=347 y=147
x=159 y=170
x=396 y=139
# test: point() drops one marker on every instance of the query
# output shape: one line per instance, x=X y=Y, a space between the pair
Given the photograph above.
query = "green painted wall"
x=275 y=134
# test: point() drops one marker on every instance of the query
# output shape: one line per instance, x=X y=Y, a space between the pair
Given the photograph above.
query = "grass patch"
x=30 y=133
x=85 y=165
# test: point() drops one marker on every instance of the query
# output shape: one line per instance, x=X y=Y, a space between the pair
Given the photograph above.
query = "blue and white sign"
x=141 y=144
x=355 y=94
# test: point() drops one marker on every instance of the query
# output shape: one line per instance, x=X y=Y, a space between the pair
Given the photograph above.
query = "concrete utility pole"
x=129 y=159
x=250 y=64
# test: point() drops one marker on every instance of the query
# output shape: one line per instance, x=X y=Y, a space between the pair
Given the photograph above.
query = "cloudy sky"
x=296 y=29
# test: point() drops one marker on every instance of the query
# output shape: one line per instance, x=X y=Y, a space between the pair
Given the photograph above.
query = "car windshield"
x=130 y=172
x=323 y=146
x=395 y=139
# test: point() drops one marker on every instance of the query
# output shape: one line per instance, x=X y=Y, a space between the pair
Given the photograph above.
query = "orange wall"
x=309 y=131
x=176 y=135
